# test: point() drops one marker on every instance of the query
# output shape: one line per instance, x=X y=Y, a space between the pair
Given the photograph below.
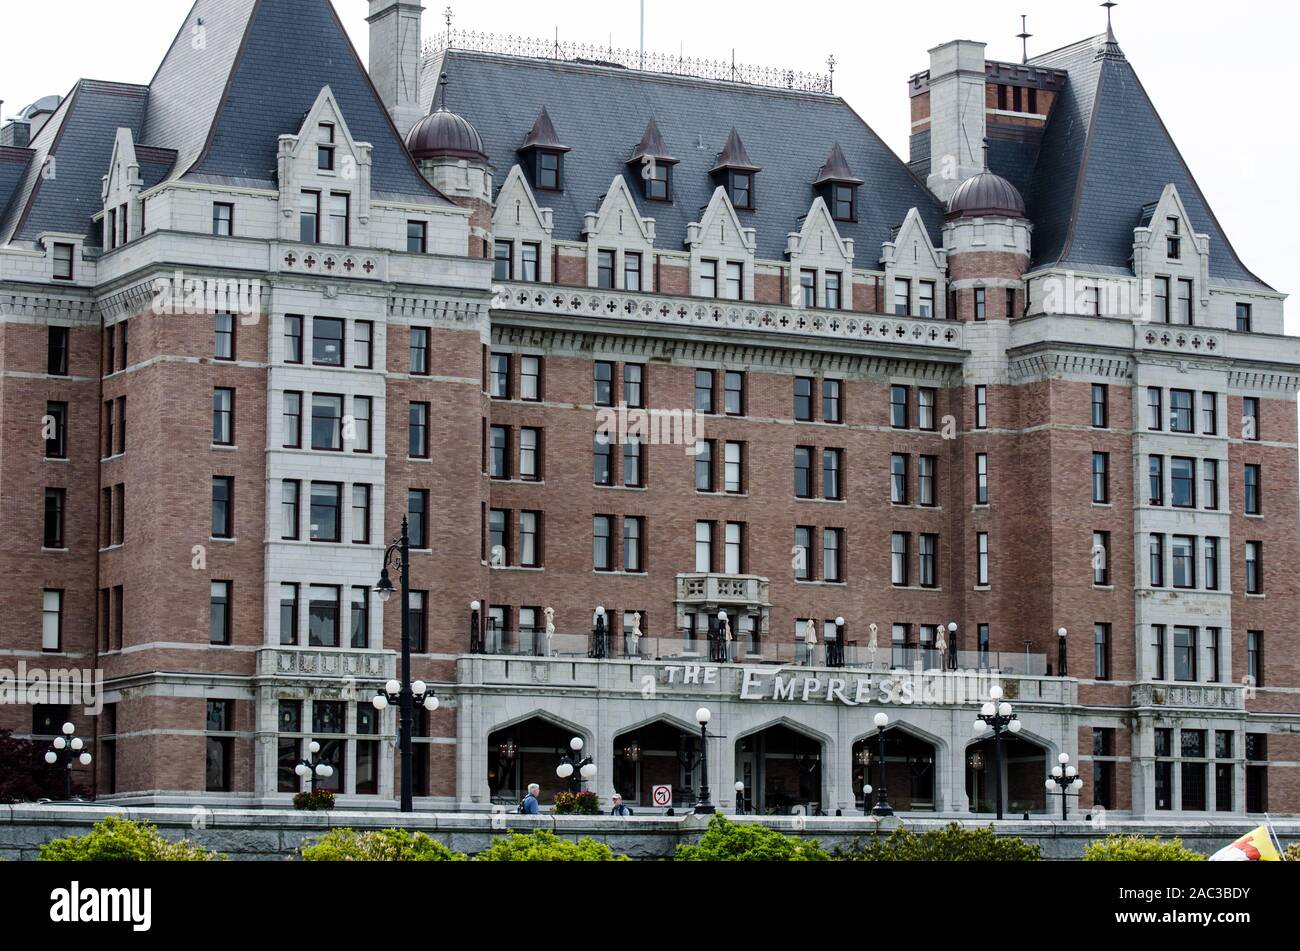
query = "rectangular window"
x=634 y=385
x=223 y=417
x=56 y=427
x=418 y=431
x=704 y=391
x=223 y=219
x=1254 y=567
x=1101 y=478
x=803 y=398
x=632 y=464
x=925 y=299
x=502 y=255
x=289 y=614
x=499 y=376
x=108 y=426
x=360 y=514
x=224 y=325
x=361 y=424
x=928 y=558
x=52 y=621
x=832 y=461
x=498 y=538
x=981 y=479
x=1210 y=478
x=323 y=617
x=1161 y=312
x=530 y=255
x=1215 y=636
x=219 y=605
x=1158 y=650
x=1182 y=482
x=56 y=351
x=842 y=202
x=325 y=147
x=981 y=407
x=982 y=559
x=1211 y=564
x=631 y=271
x=742 y=195
x=1101 y=651
x=602 y=553
x=832 y=545
x=223 y=523
x=363 y=336
x=327 y=341
x=708 y=278
x=1255 y=657
x=733 y=550
x=898 y=480
x=1155 y=411
x=733 y=467
x=63 y=262
x=220 y=749
x=1210 y=414
x=417 y=514
x=530 y=454
x=339 y=219
x=602 y=469
x=926 y=481
x=603 y=378
x=1101 y=559
x=605 y=269
x=735 y=287
x=704 y=465
x=1184 y=557
x=1243 y=318
x=832 y=406
x=1181 y=418
x=633 y=536
x=326 y=515
x=548 y=171
x=1250 y=420
x=309 y=218
x=419 y=347
x=417 y=237
x=290 y=500
x=1156 y=480
x=530 y=378
x=834 y=300
x=360 y=625
x=1100 y=406
x=733 y=393
x=1185 y=654
x=902 y=297
x=808 y=287
x=1251 y=485
x=1156 y=562
x=898 y=559
x=658 y=178
x=898 y=407
x=803 y=563
x=803 y=485
x=1185 y=312
x=292 y=338
x=703 y=547
x=926 y=400
x=530 y=546
x=326 y=422
x=981 y=307
x=498 y=444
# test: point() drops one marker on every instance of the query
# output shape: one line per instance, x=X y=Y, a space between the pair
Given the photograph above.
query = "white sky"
x=1222 y=75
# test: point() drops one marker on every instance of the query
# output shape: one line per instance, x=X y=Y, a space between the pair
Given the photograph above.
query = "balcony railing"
x=706 y=313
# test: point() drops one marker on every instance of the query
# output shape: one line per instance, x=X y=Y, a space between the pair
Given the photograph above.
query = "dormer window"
x=547 y=174
x=325 y=147
x=1174 y=241
x=838 y=186
x=652 y=163
x=736 y=171
x=658 y=182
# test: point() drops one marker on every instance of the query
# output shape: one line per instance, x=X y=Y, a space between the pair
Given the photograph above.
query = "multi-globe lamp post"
x=997 y=716
x=1066 y=780
x=575 y=767
x=313 y=769
x=68 y=748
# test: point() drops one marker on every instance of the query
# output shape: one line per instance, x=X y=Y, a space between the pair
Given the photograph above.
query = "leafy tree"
x=24 y=774
x=1136 y=848
x=953 y=843
x=543 y=846
x=726 y=841
x=115 y=839
x=382 y=845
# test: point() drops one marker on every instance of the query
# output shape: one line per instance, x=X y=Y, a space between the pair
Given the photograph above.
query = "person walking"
x=528 y=806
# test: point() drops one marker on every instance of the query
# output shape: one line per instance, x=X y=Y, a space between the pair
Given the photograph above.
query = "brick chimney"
x=957 y=119
x=395 y=58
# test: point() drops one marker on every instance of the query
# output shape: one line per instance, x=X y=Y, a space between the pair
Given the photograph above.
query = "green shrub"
x=319 y=800
x=542 y=846
x=115 y=839
x=382 y=845
x=1136 y=848
x=953 y=843
x=726 y=841
x=577 y=804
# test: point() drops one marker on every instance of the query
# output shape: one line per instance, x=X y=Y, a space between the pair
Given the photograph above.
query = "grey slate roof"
x=1106 y=155
x=79 y=138
x=13 y=165
x=601 y=113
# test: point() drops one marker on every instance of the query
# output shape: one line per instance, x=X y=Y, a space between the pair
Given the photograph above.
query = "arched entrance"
x=1025 y=765
x=526 y=752
x=910 y=766
x=659 y=753
x=782 y=771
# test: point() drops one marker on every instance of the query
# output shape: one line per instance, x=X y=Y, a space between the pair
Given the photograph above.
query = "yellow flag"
x=1254 y=846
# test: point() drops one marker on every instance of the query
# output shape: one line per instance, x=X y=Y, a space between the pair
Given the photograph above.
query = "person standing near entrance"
x=618 y=809
x=528 y=805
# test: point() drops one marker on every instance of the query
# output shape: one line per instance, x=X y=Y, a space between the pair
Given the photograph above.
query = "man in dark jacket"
x=618 y=809
x=528 y=806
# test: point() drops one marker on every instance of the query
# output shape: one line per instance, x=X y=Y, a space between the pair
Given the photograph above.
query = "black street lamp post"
x=835 y=649
x=475 y=633
x=1062 y=667
x=398 y=555
x=1065 y=779
x=740 y=797
x=882 y=806
x=704 y=806
x=68 y=748
x=575 y=767
x=313 y=769
x=996 y=715
x=599 y=637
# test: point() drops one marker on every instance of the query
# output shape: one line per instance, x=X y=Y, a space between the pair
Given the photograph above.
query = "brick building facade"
x=902 y=424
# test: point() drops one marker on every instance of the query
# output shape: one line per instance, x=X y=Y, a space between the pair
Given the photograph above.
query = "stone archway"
x=911 y=770
x=657 y=752
x=1026 y=763
x=526 y=751
x=784 y=769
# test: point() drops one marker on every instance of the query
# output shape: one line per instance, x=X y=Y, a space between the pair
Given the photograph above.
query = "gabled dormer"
x=735 y=172
x=1171 y=259
x=120 y=193
x=821 y=261
x=914 y=272
x=722 y=251
x=543 y=154
x=620 y=242
x=324 y=178
x=653 y=165
x=837 y=186
x=521 y=232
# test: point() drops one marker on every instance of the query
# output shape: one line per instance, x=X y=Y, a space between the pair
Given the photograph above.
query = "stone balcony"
x=707 y=590
x=748 y=316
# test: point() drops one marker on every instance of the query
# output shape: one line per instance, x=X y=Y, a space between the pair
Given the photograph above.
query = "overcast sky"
x=1222 y=75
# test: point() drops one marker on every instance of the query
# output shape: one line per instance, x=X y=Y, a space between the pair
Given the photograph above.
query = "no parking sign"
x=662 y=795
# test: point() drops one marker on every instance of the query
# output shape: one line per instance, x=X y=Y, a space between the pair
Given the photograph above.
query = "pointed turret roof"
x=652 y=146
x=543 y=135
x=733 y=155
x=836 y=169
